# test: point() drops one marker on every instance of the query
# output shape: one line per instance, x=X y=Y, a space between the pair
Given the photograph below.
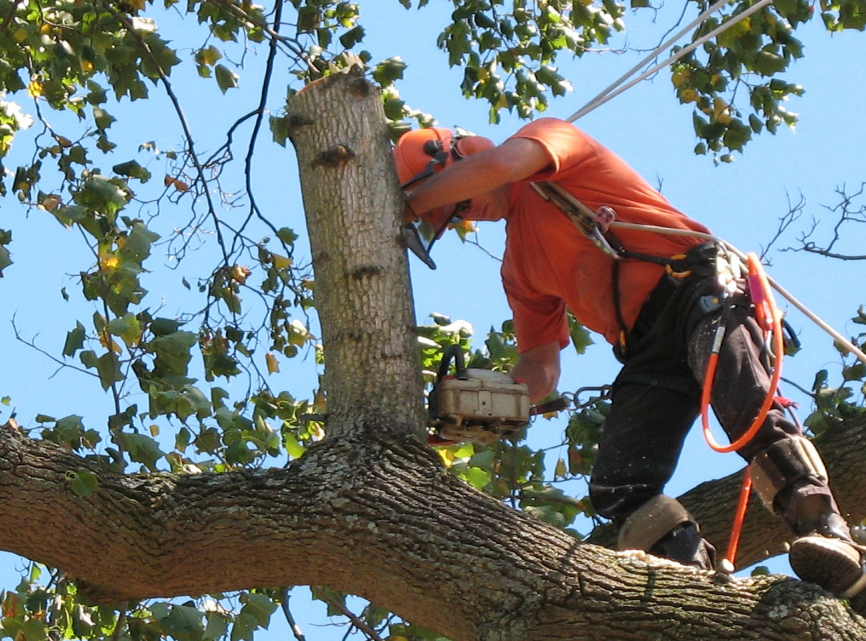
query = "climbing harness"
x=596 y=226
x=728 y=265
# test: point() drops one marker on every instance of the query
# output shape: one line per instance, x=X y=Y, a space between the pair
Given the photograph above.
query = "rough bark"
x=353 y=206
x=384 y=521
x=371 y=510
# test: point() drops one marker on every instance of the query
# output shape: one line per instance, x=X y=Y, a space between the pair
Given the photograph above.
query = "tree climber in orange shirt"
x=662 y=328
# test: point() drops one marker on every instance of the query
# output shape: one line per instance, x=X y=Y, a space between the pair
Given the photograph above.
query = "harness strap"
x=700 y=259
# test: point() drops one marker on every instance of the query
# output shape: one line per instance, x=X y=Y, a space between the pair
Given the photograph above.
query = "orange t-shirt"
x=549 y=266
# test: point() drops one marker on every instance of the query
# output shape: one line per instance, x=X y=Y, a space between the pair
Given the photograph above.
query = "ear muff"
x=422 y=151
x=467 y=145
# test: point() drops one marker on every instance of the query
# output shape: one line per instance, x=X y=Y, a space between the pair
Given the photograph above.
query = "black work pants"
x=656 y=397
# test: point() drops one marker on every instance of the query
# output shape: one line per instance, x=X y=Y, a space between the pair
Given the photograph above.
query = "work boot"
x=663 y=527
x=825 y=554
x=791 y=480
x=684 y=544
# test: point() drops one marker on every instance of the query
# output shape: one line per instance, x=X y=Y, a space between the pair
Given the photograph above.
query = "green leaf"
x=216 y=627
x=478 y=478
x=127 y=328
x=164 y=326
x=133 y=170
x=387 y=71
x=34 y=630
x=138 y=242
x=142 y=449
x=258 y=606
x=226 y=78
x=83 y=483
x=99 y=190
x=74 y=340
x=287 y=235
x=67 y=431
x=580 y=336
x=244 y=627
x=208 y=56
x=108 y=368
x=5 y=259
x=293 y=446
x=279 y=129
x=102 y=118
x=183 y=622
x=172 y=352
x=768 y=63
x=352 y=37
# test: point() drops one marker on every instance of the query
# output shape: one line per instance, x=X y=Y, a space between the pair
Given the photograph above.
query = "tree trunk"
x=372 y=511
x=353 y=206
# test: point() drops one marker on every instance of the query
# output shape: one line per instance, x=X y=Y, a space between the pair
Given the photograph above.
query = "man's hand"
x=409 y=215
x=539 y=369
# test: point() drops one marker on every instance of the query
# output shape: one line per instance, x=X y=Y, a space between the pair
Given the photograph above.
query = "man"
x=661 y=316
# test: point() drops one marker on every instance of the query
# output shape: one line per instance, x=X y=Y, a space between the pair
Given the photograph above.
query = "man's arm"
x=513 y=160
x=539 y=369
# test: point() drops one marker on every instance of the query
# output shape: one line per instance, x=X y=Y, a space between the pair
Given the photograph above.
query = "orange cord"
x=766 y=305
x=779 y=347
x=739 y=517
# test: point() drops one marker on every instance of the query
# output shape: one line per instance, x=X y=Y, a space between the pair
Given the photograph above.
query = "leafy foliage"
x=834 y=404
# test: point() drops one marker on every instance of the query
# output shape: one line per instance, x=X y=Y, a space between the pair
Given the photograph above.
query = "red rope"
x=779 y=347
x=739 y=517
x=768 y=316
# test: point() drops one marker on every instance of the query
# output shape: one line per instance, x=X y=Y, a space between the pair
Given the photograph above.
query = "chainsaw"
x=474 y=405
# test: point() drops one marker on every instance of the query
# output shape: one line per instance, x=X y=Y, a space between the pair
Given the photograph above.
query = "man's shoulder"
x=549 y=127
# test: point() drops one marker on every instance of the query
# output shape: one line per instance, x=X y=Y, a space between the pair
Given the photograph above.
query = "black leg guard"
x=663 y=527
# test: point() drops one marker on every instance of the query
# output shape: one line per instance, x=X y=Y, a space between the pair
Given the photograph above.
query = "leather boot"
x=791 y=480
x=684 y=544
x=824 y=553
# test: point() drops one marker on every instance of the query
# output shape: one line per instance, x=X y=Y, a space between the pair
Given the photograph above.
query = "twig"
x=248 y=161
x=356 y=621
x=183 y=123
x=51 y=356
x=785 y=221
x=121 y=622
x=284 y=605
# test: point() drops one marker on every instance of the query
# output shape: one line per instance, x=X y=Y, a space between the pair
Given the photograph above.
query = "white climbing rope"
x=611 y=92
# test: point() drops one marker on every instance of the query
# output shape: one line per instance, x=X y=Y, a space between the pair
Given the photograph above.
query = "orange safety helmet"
x=422 y=152
x=419 y=154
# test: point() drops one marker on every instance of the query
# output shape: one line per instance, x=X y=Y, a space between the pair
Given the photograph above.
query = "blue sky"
x=741 y=202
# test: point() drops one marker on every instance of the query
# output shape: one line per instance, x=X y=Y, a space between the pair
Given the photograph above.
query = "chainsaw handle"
x=451 y=352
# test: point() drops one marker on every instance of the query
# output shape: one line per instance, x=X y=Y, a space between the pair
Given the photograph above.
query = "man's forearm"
x=479 y=173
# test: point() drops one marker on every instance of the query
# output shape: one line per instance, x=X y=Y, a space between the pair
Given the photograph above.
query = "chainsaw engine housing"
x=479 y=406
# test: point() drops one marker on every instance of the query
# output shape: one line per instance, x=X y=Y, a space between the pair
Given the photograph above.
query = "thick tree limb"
x=384 y=521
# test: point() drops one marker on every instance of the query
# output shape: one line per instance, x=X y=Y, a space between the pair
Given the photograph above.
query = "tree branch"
x=383 y=520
